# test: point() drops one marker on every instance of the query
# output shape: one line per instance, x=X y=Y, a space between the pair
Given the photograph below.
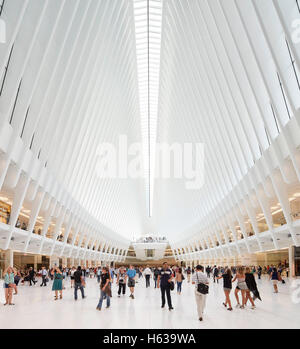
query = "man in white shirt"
x=147 y=273
x=200 y=278
x=44 y=276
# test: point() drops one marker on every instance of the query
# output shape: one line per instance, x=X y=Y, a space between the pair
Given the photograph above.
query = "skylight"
x=148 y=16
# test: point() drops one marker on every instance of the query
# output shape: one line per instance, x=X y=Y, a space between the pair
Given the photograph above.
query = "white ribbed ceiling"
x=73 y=81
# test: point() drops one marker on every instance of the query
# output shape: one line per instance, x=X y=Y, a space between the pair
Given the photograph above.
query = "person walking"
x=57 y=283
x=121 y=281
x=179 y=279
x=147 y=273
x=44 y=276
x=105 y=289
x=241 y=286
x=131 y=273
x=9 y=281
x=251 y=286
x=165 y=277
x=98 y=274
x=259 y=271
x=216 y=274
x=199 y=278
x=155 y=276
x=188 y=273
x=31 y=276
x=78 y=283
x=275 y=277
x=227 y=287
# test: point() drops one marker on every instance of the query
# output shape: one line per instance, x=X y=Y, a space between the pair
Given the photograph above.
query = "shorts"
x=227 y=289
x=6 y=285
x=72 y=277
x=242 y=286
x=131 y=283
x=275 y=282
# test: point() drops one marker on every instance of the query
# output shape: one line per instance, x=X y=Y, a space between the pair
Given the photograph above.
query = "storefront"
x=5 y=210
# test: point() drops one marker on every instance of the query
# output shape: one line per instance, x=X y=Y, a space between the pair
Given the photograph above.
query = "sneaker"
x=162 y=306
x=98 y=308
x=132 y=297
x=171 y=308
x=230 y=309
x=238 y=305
x=242 y=307
x=253 y=307
x=200 y=319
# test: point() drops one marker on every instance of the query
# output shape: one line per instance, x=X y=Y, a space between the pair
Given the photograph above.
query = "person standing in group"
x=121 y=281
x=165 y=277
x=105 y=290
x=227 y=287
x=57 y=282
x=31 y=276
x=241 y=286
x=147 y=273
x=44 y=276
x=199 y=277
x=131 y=273
x=251 y=286
x=9 y=282
x=78 y=283
x=155 y=276
x=179 y=279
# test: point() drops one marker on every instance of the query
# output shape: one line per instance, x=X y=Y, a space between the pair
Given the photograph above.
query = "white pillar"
x=292 y=260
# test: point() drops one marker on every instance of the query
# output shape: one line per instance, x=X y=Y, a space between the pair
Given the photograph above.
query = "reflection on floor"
x=35 y=308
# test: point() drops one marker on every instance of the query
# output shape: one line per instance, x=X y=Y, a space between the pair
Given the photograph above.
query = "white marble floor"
x=35 y=308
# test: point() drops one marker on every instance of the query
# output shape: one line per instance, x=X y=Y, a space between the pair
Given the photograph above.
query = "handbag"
x=172 y=286
x=202 y=288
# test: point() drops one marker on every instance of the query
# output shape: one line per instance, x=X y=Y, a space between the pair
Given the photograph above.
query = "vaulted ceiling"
x=79 y=73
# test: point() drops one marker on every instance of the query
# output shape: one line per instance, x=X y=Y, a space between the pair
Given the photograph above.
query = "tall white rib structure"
x=77 y=73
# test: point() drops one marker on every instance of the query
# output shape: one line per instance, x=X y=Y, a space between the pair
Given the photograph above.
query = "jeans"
x=98 y=278
x=44 y=280
x=147 y=280
x=165 y=290
x=78 y=286
x=102 y=295
x=32 y=280
x=122 y=287
x=179 y=286
x=200 y=301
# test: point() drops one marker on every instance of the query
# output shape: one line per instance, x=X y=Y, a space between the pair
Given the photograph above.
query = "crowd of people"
x=165 y=278
x=150 y=239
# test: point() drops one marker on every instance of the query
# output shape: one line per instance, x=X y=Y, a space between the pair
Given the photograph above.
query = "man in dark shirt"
x=31 y=276
x=78 y=281
x=163 y=282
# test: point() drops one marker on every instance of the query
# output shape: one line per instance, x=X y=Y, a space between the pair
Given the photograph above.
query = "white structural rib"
x=148 y=18
x=230 y=79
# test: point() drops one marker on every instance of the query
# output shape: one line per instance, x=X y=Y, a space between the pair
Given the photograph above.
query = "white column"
x=292 y=260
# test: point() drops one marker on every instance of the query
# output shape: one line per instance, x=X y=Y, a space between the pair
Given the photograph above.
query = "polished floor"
x=35 y=308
